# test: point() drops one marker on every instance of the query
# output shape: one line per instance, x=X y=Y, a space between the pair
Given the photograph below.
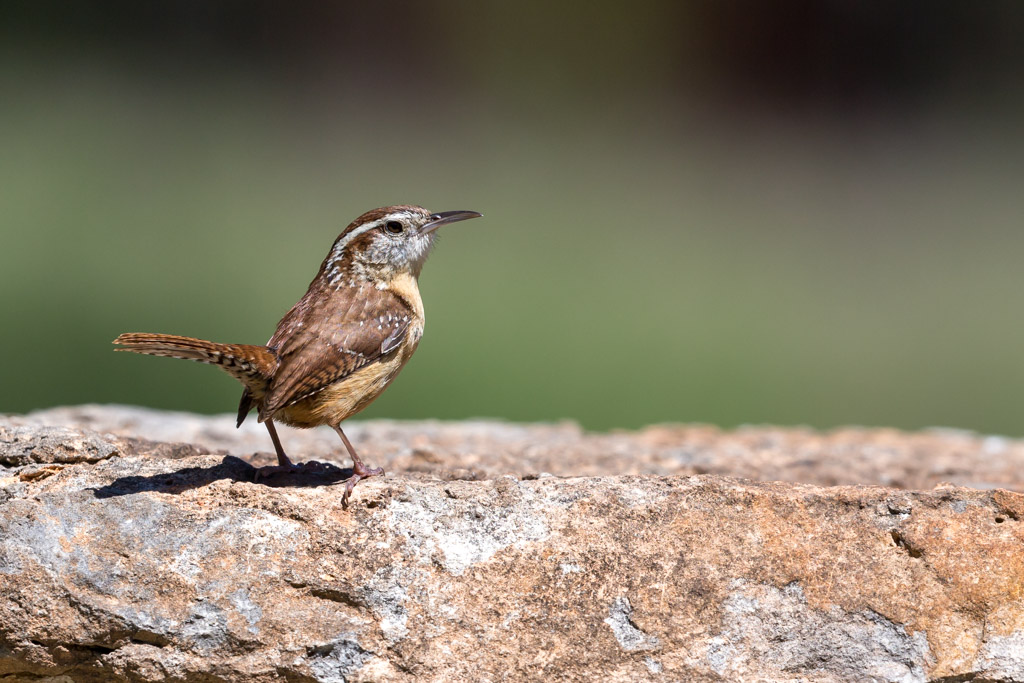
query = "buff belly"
x=348 y=396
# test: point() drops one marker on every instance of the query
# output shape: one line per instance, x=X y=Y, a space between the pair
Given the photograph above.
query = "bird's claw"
x=359 y=472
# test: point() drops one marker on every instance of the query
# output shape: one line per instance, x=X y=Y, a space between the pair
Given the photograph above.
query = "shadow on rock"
x=236 y=469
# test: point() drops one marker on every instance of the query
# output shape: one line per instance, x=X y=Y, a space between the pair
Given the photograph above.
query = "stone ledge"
x=130 y=553
x=486 y=449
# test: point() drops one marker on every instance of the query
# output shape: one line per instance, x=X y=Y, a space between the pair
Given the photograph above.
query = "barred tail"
x=253 y=366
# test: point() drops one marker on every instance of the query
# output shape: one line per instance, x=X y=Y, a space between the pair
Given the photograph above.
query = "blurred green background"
x=725 y=212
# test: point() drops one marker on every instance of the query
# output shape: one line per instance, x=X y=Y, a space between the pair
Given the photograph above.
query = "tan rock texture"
x=137 y=547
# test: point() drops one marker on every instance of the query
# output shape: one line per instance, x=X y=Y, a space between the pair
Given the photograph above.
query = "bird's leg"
x=284 y=463
x=359 y=470
x=282 y=459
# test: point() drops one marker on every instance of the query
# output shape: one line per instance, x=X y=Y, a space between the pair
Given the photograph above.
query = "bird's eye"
x=394 y=227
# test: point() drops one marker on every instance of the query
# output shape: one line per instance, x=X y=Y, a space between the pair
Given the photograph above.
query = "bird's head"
x=386 y=242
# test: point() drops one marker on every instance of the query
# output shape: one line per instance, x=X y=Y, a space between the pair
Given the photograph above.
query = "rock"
x=481 y=449
x=137 y=547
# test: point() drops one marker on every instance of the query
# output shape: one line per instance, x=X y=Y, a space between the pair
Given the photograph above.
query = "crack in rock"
x=626 y=632
x=334 y=661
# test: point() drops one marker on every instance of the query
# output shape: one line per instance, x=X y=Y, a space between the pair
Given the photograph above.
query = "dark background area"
x=726 y=212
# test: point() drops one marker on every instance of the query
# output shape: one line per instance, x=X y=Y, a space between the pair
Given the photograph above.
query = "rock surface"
x=137 y=547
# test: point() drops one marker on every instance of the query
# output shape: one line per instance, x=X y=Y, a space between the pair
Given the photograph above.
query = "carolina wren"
x=340 y=346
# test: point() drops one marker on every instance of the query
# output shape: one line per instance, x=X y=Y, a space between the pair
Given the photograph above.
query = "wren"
x=342 y=344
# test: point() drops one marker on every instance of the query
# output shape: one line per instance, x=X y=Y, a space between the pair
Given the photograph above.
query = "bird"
x=341 y=344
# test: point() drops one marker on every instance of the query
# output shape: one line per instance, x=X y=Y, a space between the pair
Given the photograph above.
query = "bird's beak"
x=446 y=217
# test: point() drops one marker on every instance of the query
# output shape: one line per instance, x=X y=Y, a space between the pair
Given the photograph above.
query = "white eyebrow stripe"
x=339 y=248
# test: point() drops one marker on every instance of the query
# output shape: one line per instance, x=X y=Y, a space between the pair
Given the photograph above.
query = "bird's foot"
x=359 y=472
x=308 y=467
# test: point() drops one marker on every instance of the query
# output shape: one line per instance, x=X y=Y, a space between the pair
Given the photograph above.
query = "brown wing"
x=320 y=345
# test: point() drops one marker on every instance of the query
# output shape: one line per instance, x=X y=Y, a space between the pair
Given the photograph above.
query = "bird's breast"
x=350 y=395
